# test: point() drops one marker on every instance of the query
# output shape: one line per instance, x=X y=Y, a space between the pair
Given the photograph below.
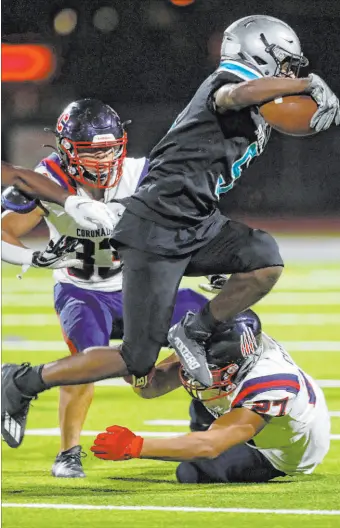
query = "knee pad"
x=264 y=250
x=187 y=473
x=140 y=358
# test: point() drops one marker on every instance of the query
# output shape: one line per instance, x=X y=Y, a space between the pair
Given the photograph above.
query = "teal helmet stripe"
x=243 y=71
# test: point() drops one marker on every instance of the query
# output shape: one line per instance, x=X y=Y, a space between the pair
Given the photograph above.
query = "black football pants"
x=151 y=281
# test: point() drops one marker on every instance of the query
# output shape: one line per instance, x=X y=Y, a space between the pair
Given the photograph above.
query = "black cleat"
x=14 y=405
x=189 y=346
x=68 y=464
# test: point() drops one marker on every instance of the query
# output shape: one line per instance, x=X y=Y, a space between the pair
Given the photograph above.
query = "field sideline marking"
x=188 y=509
x=147 y=434
x=59 y=346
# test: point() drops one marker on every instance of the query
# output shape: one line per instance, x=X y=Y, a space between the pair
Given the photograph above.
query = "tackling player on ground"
x=263 y=417
x=87 y=295
x=172 y=225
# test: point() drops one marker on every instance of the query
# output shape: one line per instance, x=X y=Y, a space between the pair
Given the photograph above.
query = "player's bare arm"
x=257 y=91
x=163 y=379
x=15 y=226
x=235 y=427
x=32 y=183
x=88 y=213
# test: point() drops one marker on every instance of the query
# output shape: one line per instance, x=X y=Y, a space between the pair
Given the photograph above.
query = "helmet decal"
x=62 y=122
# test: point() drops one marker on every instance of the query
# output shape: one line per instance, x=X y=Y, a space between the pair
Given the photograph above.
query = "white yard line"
x=60 y=346
x=284 y=319
x=187 y=509
x=147 y=434
x=181 y=423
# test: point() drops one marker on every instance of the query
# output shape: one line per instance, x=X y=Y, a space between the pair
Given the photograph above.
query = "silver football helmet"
x=269 y=44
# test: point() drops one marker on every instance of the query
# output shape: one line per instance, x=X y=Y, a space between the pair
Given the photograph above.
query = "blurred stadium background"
x=146 y=58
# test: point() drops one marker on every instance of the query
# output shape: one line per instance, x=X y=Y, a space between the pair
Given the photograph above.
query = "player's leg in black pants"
x=241 y=463
x=252 y=258
x=150 y=284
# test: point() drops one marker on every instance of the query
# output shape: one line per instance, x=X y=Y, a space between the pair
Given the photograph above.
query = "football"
x=291 y=114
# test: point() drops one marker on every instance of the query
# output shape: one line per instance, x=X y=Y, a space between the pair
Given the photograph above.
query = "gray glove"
x=328 y=104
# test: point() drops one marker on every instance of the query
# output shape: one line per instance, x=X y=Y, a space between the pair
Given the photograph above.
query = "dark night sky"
x=149 y=74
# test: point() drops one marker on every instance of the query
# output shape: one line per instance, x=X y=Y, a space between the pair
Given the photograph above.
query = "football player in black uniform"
x=172 y=226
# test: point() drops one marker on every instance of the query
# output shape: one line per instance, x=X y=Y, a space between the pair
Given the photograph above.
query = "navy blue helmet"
x=91 y=142
x=234 y=345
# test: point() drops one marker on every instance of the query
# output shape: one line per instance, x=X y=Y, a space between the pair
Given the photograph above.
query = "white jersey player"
x=90 y=162
x=262 y=418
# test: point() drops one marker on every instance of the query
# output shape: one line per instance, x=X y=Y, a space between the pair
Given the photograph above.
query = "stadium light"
x=106 y=19
x=65 y=21
x=26 y=62
x=182 y=3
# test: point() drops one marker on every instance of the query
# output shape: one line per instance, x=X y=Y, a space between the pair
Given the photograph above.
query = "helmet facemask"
x=97 y=164
x=288 y=64
x=221 y=387
x=231 y=352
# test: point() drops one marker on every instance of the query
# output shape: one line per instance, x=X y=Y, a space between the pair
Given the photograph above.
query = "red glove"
x=118 y=443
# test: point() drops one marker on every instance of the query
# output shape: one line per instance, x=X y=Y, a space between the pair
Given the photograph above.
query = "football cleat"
x=14 y=406
x=188 y=344
x=68 y=463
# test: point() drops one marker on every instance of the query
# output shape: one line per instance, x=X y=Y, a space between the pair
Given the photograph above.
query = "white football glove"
x=216 y=283
x=56 y=255
x=328 y=104
x=89 y=214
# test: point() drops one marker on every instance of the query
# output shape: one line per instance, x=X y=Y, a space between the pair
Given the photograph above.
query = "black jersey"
x=200 y=157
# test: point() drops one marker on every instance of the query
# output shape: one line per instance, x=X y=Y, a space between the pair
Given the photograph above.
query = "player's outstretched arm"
x=33 y=184
x=235 y=427
x=13 y=227
x=162 y=379
x=87 y=213
x=13 y=251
